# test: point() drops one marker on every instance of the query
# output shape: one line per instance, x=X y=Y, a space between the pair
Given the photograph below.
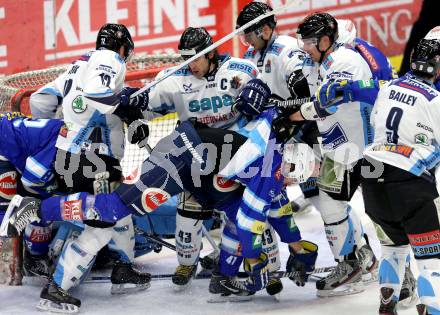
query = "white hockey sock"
x=428 y=284
x=188 y=240
x=392 y=268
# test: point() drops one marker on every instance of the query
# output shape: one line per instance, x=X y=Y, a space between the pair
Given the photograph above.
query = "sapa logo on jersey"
x=8 y=185
x=152 y=198
x=71 y=210
x=224 y=185
x=210 y=103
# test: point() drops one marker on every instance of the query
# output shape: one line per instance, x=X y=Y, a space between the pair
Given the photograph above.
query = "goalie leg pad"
x=123 y=239
x=188 y=240
x=78 y=255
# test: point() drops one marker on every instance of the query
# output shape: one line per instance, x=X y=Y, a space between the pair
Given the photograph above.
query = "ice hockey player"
x=208 y=88
x=89 y=149
x=281 y=66
x=403 y=158
x=241 y=239
x=405 y=144
x=27 y=154
x=178 y=162
x=342 y=145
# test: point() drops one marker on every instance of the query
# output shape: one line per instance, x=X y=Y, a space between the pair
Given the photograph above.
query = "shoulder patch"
x=250 y=53
x=181 y=72
x=243 y=67
x=413 y=85
x=275 y=49
x=327 y=62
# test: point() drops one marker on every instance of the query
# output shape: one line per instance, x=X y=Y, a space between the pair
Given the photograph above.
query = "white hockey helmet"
x=433 y=34
x=347 y=32
x=298 y=162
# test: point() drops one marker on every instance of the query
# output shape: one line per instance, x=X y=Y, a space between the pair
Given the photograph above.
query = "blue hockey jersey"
x=29 y=144
x=257 y=166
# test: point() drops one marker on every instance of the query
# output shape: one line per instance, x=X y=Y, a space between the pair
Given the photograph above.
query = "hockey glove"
x=303 y=261
x=139 y=101
x=138 y=133
x=331 y=94
x=252 y=98
x=258 y=274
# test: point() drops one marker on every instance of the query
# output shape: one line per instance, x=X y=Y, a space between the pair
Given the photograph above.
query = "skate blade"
x=345 y=289
x=182 y=287
x=124 y=289
x=277 y=297
x=218 y=298
x=50 y=306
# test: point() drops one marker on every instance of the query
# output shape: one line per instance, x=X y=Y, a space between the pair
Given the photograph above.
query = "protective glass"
x=129 y=56
x=187 y=53
x=248 y=38
x=307 y=43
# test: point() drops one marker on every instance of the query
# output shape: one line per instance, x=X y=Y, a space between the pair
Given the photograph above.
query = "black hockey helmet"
x=253 y=10
x=113 y=37
x=317 y=25
x=425 y=58
x=193 y=41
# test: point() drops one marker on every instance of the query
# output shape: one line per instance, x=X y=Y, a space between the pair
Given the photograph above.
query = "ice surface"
x=162 y=299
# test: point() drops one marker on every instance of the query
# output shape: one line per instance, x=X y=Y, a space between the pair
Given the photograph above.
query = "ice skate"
x=387 y=304
x=56 y=300
x=208 y=264
x=408 y=293
x=369 y=264
x=345 y=279
x=125 y=279
x=36 y=265
x=274 y=288
x=183 y=276
x=221 y=290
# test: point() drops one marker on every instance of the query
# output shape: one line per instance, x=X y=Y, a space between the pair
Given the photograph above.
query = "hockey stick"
x=216 y=44
x=210 y=240
x=161 y=242
x=163 y=276
x=290 y=103
x=240 y=284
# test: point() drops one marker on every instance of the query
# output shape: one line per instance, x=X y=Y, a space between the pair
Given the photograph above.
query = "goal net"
x=16 y=89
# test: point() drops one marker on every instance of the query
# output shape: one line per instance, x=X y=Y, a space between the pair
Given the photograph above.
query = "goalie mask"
x=298 y=162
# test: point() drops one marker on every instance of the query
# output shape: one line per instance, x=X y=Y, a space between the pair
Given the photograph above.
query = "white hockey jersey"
x=346 y=133
x=86 y=89
x=277 y=62
x=406 y=128
x=208 y=99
